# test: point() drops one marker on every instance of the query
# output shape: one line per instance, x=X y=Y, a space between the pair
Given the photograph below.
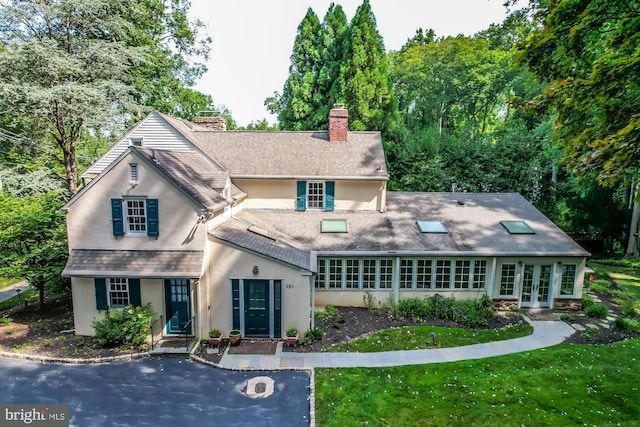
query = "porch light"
x=256 y=270
x=432 y=335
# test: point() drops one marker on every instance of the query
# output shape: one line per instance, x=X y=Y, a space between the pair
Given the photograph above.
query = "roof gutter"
x=312 y=177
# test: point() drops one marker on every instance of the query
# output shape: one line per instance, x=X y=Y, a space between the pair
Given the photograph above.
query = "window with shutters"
x=315 y=195
x=118 y=292
x=135 y=216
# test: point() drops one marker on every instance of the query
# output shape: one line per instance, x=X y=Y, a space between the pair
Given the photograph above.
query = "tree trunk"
x=41 y=296
x=632 y=246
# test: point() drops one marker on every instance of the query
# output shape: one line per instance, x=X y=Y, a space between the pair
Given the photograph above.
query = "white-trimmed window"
x=386 y=274
x=568 y=281
x=406 y=273
x=352 y=273
x=424 y=271
x=462 y=274
x=443 y=274
x=135 y=216
x=136 y=142
x=368 y=274
x=118 y=288
x=321 y=277
x=315 y=195
x=479 y=274
x=507 y=279
x=335 y=274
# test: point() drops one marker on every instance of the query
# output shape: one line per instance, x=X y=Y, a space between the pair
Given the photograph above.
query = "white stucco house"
x=254 y=230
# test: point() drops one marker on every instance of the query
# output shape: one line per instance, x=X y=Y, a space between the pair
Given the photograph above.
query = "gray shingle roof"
x=133 y=263
x=200 y=178
x=295 y=154
x=472 y=220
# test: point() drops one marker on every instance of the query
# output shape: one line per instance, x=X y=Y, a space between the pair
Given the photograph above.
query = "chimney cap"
x=208 y=113
x=338 y=106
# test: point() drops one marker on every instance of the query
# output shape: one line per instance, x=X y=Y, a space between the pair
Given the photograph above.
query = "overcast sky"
x=253 y=39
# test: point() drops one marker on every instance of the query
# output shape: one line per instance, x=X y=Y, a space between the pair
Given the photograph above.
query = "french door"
x=536 y=286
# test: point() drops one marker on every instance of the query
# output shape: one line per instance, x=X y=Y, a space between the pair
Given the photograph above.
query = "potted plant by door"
x=291 y=336
x=215 y=337
x=234 y=337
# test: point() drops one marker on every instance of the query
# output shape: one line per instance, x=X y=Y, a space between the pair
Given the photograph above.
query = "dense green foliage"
x=76 y=66
x=33 y=240
x=126 y=328
x=471 y=313
x=332 y=63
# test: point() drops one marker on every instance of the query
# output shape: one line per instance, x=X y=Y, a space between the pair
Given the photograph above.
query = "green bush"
x=625 y=324
x=595 y=287
x=412 y=308
x=126 y=328
x=328 y=312
x=596 y=310
x=629 y=308
x=312 y=335
x=587 y=300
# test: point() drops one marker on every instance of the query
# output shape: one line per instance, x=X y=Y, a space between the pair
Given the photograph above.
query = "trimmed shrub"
x=624 y=324
x=412 y=308
x=599 y=288
x=596 y=310
x=587 y=300
x=126 y=328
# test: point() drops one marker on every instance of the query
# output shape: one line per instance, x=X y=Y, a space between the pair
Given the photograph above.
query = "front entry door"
x=178 y=305
x=536 y=286
x=256 y=308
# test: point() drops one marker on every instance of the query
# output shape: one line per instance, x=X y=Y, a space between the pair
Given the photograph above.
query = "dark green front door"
x=178 y=305
x=256 y=308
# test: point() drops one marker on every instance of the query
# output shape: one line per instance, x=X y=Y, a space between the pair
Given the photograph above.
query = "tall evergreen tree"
x=335 y=30
x=364 y=83
x=299 y=95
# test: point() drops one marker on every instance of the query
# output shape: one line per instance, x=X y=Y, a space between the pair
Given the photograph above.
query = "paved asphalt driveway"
x=156 y=392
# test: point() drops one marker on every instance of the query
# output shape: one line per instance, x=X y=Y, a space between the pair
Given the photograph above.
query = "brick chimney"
x=338 y=123
x=211 y=120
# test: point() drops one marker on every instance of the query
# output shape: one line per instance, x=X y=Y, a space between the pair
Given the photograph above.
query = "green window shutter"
x=134 y=292
x=153 y=226
x=116 y=217
x=235 y=303
x=101 y=293
x=301 y=200
x=277 y=308
x=329 y=196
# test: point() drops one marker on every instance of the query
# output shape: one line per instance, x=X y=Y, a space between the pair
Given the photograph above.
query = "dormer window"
x=136 y=142
x=133 y=174
x=316 y=195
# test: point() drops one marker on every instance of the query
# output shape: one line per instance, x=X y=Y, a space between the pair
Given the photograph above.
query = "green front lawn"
x=30 y=295
x=561 y=385
x=419 y=337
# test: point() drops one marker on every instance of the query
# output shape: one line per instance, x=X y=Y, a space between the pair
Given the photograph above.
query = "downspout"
x=313 y=301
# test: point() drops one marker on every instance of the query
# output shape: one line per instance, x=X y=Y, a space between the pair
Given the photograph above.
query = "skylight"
x=432 y=227
x=334 y=226
x=517 y=227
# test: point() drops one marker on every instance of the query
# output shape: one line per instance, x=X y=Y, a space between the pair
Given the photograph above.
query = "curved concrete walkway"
x=545 y=334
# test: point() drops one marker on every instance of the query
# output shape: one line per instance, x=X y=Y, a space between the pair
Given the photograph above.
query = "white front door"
x=536 y=286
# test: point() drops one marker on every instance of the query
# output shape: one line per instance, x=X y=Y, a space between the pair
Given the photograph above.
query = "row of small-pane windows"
x=350 y=273
x=507 y=279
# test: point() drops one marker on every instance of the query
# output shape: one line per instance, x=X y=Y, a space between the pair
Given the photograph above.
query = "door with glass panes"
x=536 y=286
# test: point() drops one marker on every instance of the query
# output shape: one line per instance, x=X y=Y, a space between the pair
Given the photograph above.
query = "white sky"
x=253 y=39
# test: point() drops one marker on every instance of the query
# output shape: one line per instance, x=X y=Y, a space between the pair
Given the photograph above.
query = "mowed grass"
x=30 y=295
x=419 y=337
x=564 y=385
